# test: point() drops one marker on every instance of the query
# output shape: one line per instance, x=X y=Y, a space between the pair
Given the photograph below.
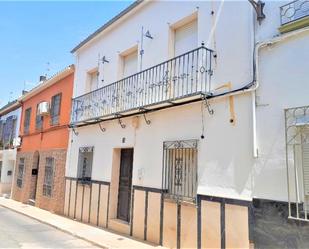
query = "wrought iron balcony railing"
x=294 y=11
x=175 y=80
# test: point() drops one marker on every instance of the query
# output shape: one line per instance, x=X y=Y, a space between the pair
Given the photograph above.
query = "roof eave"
x=108 y=24
x=10 y=108
x=54 y=79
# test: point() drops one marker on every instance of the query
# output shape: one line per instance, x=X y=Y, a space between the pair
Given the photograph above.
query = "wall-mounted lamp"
x=148 y=35
x=104 y=60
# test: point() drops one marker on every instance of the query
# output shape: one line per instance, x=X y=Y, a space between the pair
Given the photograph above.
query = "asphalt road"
x=19 y=231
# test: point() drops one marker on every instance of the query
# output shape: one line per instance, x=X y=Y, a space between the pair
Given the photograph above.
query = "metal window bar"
x=182 y=77
x=180 y=170
x=85 y=164
x=297 y=161
x=294 y=11
x=49 y=177
x=20 y=173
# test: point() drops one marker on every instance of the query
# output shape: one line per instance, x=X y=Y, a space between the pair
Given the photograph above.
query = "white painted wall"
x=17 y=113
x=225 y=160
x=8 y=156
x=232 y=64
x=224 y=155
x=284 y=84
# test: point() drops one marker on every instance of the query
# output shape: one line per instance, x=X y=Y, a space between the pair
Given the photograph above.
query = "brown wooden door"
x=125 y=184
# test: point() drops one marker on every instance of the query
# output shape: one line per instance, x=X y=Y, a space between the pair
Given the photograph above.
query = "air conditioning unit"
x=17 y=142
x=43 y=108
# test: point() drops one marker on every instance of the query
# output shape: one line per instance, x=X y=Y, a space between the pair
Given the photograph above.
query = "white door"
x=186 y=38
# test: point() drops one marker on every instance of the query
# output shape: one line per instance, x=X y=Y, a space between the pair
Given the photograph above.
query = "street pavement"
x=19 y=231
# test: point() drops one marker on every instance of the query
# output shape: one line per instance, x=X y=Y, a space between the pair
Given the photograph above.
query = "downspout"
x=254 y=85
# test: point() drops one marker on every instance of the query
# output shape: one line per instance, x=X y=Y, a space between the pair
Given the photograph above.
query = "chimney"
x=42 y=78
x=24 y=92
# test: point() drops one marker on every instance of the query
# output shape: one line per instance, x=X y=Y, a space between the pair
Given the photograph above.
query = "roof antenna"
x=47 y=69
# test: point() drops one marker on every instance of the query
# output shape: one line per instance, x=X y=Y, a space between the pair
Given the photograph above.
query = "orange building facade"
x=40 y=163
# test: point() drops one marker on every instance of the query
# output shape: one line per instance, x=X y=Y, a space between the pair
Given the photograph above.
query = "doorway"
x=34 y=176
x=125 y=185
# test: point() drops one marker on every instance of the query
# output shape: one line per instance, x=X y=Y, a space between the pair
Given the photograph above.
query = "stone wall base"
x=32 y=186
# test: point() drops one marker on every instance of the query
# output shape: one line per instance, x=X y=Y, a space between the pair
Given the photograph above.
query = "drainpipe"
x=253 y=86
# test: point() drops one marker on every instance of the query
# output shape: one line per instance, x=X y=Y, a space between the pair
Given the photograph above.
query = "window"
x=27 y=120
x=20 y=173
x=48 y=177
x=186 y=38
x=180 y=169
x=38 y=120
x=130 y=64
x=55 y=109
x=297 y=161
x=93 y=80
x=85 y=163
x=9 y=130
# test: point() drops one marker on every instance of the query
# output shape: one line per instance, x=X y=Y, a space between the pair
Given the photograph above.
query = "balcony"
x=294 y=15
x=176 y=81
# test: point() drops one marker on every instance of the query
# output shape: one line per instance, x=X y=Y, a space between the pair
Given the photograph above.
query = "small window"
x=180 y=170
x=27 y=120
x=20 y=173
x=130 y=63
x=38 y=120
x=55 y=109
x=85 y=163
x=93 y=80
x=186 y=38
x=48 y=177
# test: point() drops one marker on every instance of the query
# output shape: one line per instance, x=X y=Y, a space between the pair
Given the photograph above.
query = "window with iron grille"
x=180 y=170
x=27 y=120
x=9 y=130
x=38 y=120
x=85 y=163
x=55 y=109
x=20 y=173
x=49 y=177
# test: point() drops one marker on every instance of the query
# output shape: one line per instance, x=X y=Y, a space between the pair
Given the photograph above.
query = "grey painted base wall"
x=271 y=228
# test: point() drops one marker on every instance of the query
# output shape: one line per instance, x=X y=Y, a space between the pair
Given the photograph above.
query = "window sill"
x=297 y=24
x=184 y=201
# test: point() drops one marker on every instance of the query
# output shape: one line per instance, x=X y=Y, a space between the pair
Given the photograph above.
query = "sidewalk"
x=99 y=237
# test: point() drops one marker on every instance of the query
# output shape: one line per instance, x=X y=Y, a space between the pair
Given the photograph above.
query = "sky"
x=36 y=38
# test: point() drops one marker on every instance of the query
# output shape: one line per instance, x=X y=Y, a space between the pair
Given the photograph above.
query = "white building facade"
x=9 y=130
x=178 y=125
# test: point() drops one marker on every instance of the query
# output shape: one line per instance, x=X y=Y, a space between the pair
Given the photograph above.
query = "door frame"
x=130 y=185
